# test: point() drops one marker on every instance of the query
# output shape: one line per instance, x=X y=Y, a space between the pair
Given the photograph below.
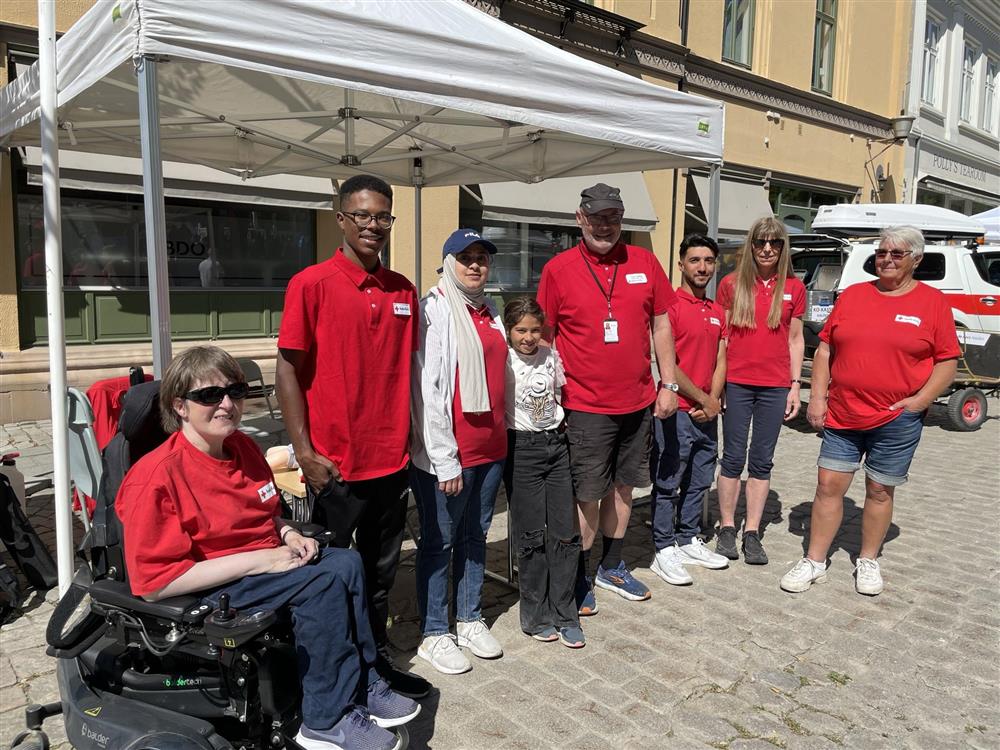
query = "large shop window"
x=209 y=245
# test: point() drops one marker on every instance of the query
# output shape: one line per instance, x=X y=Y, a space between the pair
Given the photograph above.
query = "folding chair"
x=251 y=371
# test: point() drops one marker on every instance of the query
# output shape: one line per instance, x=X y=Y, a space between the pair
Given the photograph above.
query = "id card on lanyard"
x=610 y=324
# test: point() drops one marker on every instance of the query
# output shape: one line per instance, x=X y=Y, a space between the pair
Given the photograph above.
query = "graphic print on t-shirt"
x=535 y=400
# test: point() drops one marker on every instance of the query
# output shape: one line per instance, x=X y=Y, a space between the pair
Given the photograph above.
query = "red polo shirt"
x=482 y=438
x=359 y=331
x=883 y=350
x=179 y=506
x=605 y=378
x=698 y=325
x=760 y=356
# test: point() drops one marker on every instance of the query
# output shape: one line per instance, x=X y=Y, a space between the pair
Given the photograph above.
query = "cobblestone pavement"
x=730 y=662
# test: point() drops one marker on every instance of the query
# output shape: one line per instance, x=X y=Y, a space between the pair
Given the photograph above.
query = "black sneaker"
x=753 y=550
x=404 y=683
x=725 y=542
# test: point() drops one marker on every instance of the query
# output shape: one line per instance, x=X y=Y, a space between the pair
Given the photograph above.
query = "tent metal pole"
x=156 y=224
x=418 y=221
x=54 y=291
x=712 y=212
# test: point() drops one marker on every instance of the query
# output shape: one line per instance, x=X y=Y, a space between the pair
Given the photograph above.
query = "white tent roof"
x=335 y=88
x=991 y=220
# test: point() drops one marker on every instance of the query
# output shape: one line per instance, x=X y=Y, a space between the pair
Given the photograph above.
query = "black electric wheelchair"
x=168 y=675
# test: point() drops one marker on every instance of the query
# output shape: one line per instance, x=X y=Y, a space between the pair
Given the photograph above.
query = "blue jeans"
x=682 y=467
x=762 y=405
x=453 y=528
x=333 y=639
x=887 y=449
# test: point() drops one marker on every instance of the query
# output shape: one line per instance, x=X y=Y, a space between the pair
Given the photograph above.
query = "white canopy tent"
x=419 y=93
x=991 y=220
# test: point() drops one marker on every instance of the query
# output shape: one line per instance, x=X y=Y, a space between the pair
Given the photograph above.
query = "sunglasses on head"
x=777 y=244
x=212 y=395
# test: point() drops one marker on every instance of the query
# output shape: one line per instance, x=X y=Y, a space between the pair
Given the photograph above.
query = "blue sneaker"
x=389 y=709
x=622 y=583
x=355 y=731
x=586 y=602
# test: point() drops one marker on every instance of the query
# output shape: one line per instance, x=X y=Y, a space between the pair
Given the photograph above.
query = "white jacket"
x=432 y=389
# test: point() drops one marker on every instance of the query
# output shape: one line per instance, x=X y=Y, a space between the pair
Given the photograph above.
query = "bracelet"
x=284 y=532
x=796 y=380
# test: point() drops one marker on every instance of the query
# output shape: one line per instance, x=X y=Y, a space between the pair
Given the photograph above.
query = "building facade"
x=811 y=90
x=953 y=154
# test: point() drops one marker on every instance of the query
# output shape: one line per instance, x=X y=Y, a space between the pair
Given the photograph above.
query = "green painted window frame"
x=824 y=55
x=733 y=11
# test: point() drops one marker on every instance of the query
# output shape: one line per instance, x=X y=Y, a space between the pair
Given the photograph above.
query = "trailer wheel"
x=967 y=409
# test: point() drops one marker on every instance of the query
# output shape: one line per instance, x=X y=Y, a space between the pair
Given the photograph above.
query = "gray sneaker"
x=753 y=550
x=725 y=542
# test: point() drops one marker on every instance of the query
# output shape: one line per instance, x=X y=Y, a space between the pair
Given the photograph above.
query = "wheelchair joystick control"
x=226 y=613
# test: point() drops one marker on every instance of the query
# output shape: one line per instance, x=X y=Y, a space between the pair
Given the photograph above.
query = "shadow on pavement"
x=848 y=537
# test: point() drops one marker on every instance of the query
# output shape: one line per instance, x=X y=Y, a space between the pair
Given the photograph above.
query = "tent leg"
x=417 y=235
x=712 y=212
x=156 y=224
x=54 y=291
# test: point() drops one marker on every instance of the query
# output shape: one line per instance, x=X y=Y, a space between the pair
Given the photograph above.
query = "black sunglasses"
x=777 y=244
x=212 y=395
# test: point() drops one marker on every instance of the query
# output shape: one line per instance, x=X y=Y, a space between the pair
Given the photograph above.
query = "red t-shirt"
x=179 y=506
x=482 y=438
x=882 y=350
x=605 y=378
x=698 y=325
x=760 y=356
x=359 y=331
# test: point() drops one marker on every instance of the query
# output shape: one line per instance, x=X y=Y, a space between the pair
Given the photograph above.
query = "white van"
x=953 y=260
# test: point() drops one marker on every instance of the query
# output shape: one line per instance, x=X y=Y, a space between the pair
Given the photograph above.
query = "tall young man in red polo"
x=343 y=379
x=686 y=445
x=602 y=299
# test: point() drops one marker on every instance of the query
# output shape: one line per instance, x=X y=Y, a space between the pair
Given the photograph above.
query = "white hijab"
x=471 y=362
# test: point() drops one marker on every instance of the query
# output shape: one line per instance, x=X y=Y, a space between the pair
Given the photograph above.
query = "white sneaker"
x=696 y=553
x=443 y=654
x=476 y=637
x=667 y=565
x=868 y=577
x=805 y=573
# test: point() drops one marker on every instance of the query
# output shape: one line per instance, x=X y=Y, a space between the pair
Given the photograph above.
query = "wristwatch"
x=668 y=386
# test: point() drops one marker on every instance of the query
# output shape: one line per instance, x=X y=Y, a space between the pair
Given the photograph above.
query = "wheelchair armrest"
x=311 y=530
x=187 y=608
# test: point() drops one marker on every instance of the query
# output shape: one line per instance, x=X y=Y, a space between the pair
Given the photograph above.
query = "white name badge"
x=714 y=322
x=401 y=308
x=786 y=297
x=610 y=331
x=267 y=492
x=635 y=278
x=911 y=319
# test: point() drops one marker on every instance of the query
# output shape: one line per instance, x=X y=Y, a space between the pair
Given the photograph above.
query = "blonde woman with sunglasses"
x=764 y=303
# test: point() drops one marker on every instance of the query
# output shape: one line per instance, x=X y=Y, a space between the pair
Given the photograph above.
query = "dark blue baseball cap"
x=460 y=239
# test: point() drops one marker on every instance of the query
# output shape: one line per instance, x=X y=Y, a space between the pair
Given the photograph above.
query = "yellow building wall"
x=25 y=12
x=439 y=212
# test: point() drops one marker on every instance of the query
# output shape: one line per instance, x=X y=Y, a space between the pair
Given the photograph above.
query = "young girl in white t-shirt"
x=537 y=477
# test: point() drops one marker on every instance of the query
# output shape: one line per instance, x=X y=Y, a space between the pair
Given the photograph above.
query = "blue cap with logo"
x=460 y=239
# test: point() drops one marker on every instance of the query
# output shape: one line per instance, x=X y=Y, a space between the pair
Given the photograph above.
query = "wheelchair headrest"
x=140 y=411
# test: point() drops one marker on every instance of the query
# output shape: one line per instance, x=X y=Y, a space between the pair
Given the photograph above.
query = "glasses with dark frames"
x=363 y=219
x=212 y=395
x=777 y=244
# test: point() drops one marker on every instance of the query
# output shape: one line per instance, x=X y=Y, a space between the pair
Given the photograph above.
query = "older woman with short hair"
x=887 y=351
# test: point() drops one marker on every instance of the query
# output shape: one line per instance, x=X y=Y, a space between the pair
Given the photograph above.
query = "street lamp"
x=901 y=128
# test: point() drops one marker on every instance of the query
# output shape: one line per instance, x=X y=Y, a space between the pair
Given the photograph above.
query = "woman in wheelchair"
x=200 y=514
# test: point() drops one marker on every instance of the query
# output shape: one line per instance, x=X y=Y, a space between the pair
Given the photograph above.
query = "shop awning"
x=122 y=174
x=958 y=191
x=740 y=203
x=555 y=201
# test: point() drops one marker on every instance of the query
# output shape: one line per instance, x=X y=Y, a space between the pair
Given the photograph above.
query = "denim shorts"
x=887 y=450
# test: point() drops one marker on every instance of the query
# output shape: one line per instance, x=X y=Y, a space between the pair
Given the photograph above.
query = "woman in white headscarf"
x=459 y=444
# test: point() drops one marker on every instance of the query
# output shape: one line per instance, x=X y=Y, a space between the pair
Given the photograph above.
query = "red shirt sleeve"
x=298 y=320
x=945 y=336
x=548 y=298
x=798 y=297
x=725 y=293
x=663 y=294
x=157 y=549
